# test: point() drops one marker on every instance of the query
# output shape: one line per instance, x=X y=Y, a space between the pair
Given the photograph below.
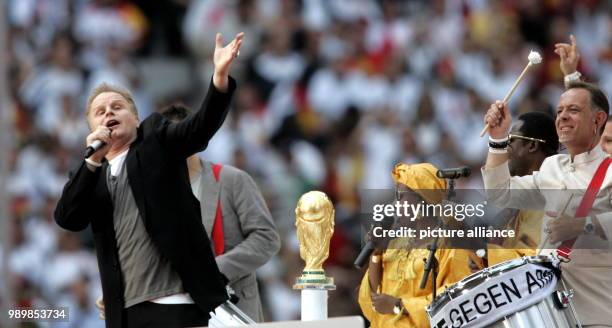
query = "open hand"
x=223 y=58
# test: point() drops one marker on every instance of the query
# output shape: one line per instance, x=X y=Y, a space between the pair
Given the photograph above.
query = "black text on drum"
x=496 y=297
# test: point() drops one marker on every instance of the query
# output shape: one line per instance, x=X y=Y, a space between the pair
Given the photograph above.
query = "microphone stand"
x=431 y=265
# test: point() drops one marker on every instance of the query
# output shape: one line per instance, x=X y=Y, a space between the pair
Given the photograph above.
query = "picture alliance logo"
x=412 y=211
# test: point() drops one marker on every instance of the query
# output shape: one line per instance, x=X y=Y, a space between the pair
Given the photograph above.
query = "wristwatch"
x=397 y=309
x=589 y=227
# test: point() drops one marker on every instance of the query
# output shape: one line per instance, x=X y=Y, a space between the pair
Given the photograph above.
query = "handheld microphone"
x=368 y=248
x=94 y=147
x=454 y=173
x=364 y=255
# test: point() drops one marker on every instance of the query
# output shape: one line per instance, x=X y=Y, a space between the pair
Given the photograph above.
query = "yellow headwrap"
x=422 y=179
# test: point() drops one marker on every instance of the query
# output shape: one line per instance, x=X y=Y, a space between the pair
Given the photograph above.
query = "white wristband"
x=502 y=140
x=569 y=78
x=92 y=162
x=498 y=151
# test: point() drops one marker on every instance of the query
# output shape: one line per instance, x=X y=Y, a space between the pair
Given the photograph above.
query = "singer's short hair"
x=105 y=87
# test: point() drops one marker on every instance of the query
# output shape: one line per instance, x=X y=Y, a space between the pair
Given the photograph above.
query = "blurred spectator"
x=100 y=22
x=48 y=83
x=40 y=20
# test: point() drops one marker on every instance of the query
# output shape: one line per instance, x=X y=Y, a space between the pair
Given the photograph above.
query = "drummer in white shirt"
x=582 y=113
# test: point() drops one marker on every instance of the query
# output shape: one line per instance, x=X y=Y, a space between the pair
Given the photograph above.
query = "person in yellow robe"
x=389 y=294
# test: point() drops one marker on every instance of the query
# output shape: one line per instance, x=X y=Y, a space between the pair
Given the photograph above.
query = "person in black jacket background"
x=155 y=260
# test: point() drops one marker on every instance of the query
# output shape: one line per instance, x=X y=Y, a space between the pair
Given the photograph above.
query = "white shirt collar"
x=589 y=156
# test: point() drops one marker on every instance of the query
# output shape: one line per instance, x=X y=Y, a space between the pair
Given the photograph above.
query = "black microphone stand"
x=431 y=264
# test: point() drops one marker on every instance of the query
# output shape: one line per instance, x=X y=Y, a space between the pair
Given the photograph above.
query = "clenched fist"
x=499 y=119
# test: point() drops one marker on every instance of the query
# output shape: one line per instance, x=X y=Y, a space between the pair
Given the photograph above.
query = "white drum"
x=521 y=293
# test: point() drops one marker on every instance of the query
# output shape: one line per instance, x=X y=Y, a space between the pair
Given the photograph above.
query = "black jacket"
x=157 y=173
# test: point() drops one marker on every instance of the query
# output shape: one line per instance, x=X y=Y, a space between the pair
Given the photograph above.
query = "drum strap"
x=586 y=204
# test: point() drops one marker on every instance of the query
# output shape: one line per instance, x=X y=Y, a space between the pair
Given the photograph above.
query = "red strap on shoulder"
x=217 y=230
x=216 y=168
x=586 y=203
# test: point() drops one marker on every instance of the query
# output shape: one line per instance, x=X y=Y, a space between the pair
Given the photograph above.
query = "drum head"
x=468 y=283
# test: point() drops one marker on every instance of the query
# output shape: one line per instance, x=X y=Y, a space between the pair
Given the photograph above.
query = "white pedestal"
x=314 y=304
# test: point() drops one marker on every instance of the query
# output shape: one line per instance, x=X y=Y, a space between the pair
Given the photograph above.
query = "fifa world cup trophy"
x=314 y=221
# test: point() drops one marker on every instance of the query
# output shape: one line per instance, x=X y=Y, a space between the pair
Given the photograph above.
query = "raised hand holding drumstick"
x=498 y=120
x=534 y=59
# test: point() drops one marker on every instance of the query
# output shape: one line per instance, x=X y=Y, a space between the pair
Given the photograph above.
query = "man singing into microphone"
x=155 y=260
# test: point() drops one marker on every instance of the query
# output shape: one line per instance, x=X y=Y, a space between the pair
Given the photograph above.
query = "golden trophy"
x=314 y=221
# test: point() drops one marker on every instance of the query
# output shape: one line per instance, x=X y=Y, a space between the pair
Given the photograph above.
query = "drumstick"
x=542 y=244
x=534 y=59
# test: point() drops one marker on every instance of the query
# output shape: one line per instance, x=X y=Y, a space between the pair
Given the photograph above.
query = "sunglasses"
x=516 y=136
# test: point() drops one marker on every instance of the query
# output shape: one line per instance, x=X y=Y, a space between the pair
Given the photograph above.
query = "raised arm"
x=569 y=56
x=223 y=58
x=193 y=134
x=501 y=188
x=499 y=119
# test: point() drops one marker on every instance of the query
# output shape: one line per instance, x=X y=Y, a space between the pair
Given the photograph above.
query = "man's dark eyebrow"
x=570 y=106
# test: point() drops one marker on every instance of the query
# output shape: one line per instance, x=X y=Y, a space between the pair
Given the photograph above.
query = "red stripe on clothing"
x=217 y=230
x=586 y=203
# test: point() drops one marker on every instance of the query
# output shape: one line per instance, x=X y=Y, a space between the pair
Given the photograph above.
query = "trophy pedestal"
x=314 y=304
x=314 y=286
